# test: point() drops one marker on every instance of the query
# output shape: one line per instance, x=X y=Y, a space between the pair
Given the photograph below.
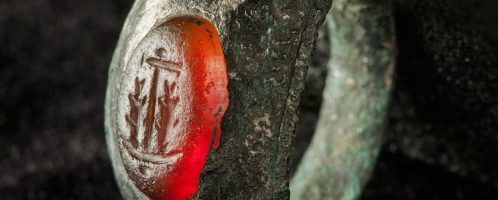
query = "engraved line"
x=131 y=121
x=164 y=64
x=133 y=115
x=151 y=107
x=151 y=158
x=167 y=103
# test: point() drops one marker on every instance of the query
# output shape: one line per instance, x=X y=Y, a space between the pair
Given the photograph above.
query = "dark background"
x=54 y=57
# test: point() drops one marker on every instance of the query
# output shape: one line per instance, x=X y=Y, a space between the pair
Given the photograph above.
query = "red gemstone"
x=172 y=99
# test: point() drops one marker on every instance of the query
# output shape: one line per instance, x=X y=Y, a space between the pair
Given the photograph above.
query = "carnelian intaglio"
x=173 y=96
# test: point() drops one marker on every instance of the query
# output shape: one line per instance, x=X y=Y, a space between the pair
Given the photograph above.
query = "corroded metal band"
x=348 y=136
x=267 y=45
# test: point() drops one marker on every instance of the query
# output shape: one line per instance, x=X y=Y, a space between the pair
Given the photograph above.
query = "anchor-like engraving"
x=168 y=108
x=143 y=119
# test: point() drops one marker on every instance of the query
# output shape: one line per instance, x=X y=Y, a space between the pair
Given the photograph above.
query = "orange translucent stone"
x=175 y=94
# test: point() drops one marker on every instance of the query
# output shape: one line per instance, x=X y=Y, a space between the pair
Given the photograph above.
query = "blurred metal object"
x=349 y=132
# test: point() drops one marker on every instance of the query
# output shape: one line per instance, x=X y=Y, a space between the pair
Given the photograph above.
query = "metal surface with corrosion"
x=357 y=92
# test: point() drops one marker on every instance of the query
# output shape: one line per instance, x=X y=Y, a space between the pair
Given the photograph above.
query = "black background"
x=54 y=58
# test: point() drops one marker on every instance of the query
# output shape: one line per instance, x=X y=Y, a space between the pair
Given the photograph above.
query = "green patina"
x=349 y=132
